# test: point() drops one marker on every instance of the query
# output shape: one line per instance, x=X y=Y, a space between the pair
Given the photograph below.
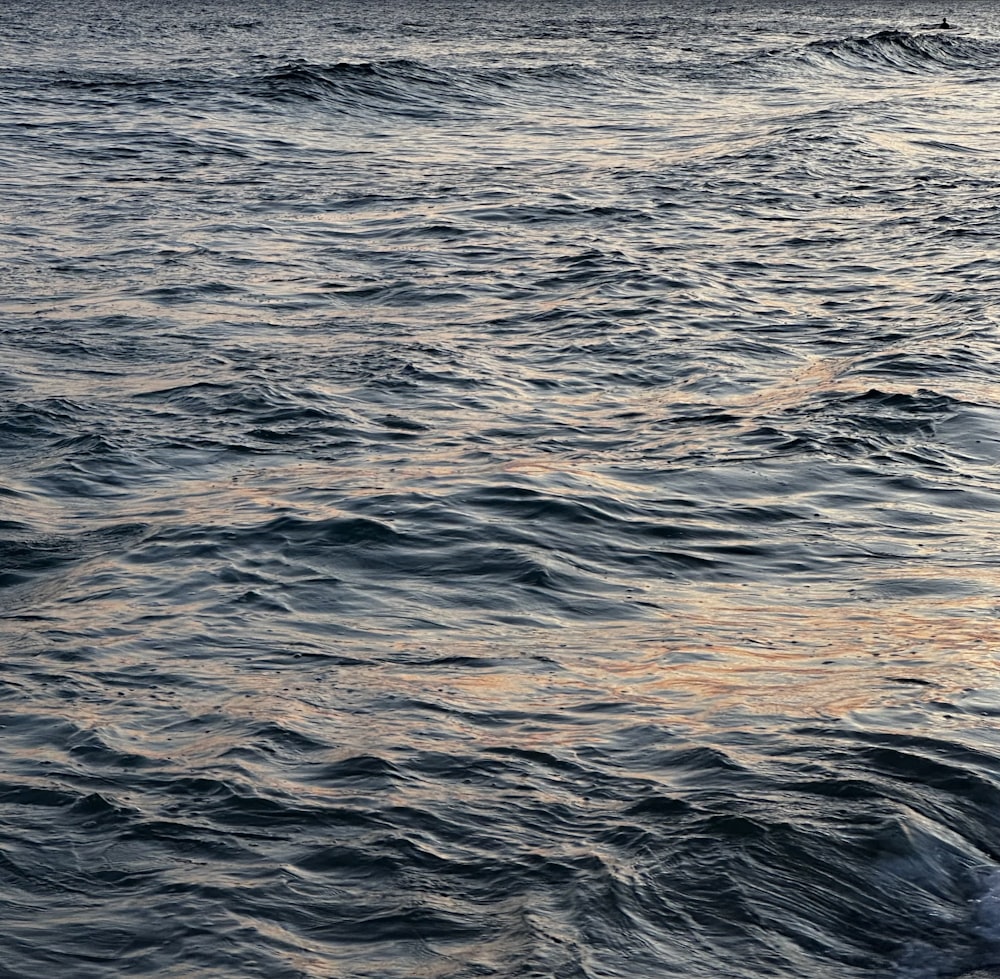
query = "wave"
x=883 y=53
x=560 y=545
x=402 y=87
x=397 y=87
x=629 y=850
x=410 y=88
x=902 y=51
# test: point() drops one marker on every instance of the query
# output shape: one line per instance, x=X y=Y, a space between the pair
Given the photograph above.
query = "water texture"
x=499 y=490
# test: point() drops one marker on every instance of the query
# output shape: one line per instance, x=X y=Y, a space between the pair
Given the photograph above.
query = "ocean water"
x=499 y=489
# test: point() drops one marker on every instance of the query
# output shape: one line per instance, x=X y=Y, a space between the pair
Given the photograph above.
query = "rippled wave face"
x=499 y=490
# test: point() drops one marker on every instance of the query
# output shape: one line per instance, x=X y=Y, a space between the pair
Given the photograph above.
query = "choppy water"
x=499 y=490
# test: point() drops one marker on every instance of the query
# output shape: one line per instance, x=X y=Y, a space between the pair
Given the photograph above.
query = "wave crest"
x=903 y=51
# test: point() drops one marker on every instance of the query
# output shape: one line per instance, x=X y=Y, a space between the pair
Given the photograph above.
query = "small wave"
x=412 y=89
x=24 y=558
x=398 y=88
x=879 y=54
x=901 y=51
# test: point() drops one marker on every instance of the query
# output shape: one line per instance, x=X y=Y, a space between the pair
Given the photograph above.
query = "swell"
x=532 y=554
x=410 y=88
x=593 y=836
x=886 y=53
x=402 y=88
x=902 y=51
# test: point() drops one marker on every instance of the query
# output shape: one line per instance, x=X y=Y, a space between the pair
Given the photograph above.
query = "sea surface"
x=499 y=489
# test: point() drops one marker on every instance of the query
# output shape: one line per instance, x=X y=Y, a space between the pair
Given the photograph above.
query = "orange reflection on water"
x=716 y=667
x=827 y=660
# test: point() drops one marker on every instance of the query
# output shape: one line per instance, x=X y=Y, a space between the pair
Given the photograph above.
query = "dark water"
x=499 y=490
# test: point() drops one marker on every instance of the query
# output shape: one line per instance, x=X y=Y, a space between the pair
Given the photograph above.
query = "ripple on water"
x=503 y=495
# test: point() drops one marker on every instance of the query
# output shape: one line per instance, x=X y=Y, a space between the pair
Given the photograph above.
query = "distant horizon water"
x=499 y=490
